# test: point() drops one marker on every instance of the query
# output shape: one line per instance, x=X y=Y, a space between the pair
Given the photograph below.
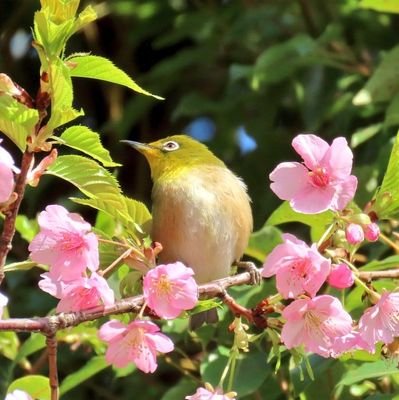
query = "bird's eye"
x=170 y=146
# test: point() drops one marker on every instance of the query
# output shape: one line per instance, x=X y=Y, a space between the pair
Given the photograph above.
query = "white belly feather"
x=202 y=219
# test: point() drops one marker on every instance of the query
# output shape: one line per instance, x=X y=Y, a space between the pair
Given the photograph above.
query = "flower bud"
x=340 y=277
x=354 y=234
x=371 y=232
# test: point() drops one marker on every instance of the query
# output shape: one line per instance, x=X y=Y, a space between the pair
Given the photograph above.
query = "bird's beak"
x=143 y=148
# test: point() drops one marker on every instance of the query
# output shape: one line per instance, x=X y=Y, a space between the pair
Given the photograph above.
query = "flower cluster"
x=65 y=243
x=318 y=322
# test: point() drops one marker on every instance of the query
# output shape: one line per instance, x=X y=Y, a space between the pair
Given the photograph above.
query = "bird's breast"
x=202 y=218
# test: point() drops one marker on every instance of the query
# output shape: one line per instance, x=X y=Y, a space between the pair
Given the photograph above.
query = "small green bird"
x=201 y=210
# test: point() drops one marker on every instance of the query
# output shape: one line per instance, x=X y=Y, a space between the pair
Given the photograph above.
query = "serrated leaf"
x=17 y=121
x=87 y=175
x=317 y=222
x=59 y=117
x=95 y=67
x=139 y=214
x=61 y=86
x=85 y=140
x=37 y=386
x=386 y=201
x=384 y=83
x=92 y=367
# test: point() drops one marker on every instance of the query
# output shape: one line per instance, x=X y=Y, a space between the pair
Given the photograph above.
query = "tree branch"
x=50 y=325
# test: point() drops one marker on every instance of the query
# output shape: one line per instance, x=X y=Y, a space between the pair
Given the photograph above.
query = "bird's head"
x=174 y=154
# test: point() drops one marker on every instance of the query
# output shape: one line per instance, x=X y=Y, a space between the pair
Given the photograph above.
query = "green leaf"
x=386 y=201
x=22 y=266
x=317 y=222
x=272 y=66
x=95 y=67
x=183 y=388
x=364 y=134
x=93 y=181
x=262 y=242
x=9 y=344
x=17 y=121
x=85 y=140
x=26 y=227
x=391 y=6
x=369 y=371
x=35 y=343
x=92 y=367
x=37 y=386
x=246 y=381
x=139 y=214
x=59 y=117
x=380 y=265
x=384 y=83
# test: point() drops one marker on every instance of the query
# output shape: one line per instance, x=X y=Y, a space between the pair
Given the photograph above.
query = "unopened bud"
x=371 y=232
x=341 y=276
x=354 y=234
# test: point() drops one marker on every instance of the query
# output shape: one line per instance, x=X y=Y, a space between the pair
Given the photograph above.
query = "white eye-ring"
x=170 y=146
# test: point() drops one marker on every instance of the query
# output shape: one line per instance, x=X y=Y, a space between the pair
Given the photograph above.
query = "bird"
x=201 y=212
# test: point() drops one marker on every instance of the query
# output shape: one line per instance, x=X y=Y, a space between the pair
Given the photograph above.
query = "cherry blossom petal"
x=288 y=178
x=311 y=148
x=313 y=200
x=338 y=159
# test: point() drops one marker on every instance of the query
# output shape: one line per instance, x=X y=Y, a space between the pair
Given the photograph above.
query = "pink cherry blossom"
x=65 y=243
x=208 y=393
x=137 y=342
x=299 y=269
x=3 y=303
x=349 y=343
x=323 y=182
x=354 y=234
x=380 y=323
x=341 y=276
x=7 y=170
x=18 y=395
x=371 y=232
x=79 y=294
x=169 y=289
x=315 y=323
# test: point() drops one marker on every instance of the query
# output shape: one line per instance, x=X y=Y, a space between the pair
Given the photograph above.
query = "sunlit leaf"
x=101 y=68
x=381 y=5
x=85 y=140
x=17 y=121
x=386 y=201
x=37 y=386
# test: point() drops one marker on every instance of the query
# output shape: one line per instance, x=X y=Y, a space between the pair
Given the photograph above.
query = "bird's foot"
x=255 y=273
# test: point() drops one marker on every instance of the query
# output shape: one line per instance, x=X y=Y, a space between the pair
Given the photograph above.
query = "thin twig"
x=12 y=212
x=370 y=275
x=52 y=365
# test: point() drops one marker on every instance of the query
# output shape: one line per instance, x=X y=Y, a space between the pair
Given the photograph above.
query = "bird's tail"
x=204 y=317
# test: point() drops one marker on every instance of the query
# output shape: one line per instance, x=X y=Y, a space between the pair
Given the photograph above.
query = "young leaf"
x=16 y=120
x=85 y=140
x=381 y=5
x=95 y=67
x=386 y=201
x=92 y=180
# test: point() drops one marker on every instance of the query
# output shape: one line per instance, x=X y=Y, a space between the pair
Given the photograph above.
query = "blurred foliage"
x=246 y=77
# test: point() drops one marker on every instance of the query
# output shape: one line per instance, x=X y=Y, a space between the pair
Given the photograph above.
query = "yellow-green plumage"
x=201 y=210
